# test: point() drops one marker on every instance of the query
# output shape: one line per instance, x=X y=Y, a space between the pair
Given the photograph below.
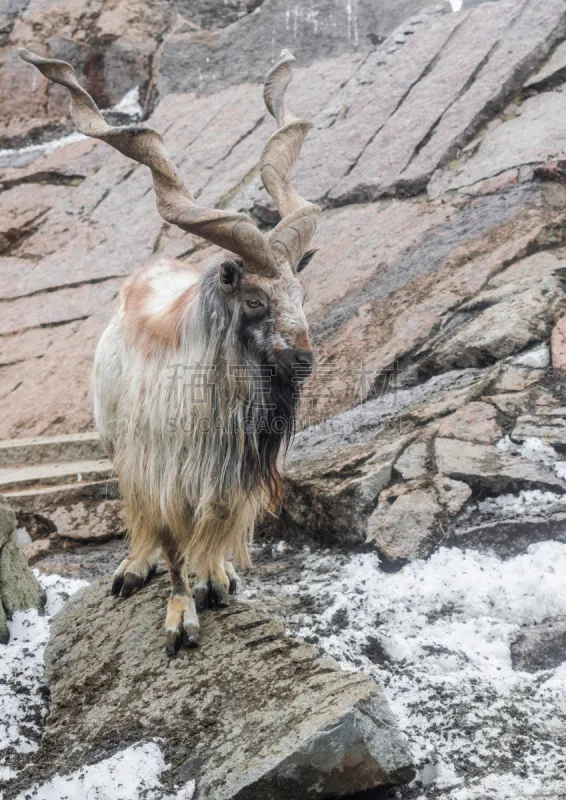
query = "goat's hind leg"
x=213 y=588
x=181 y=624
x=232 y=576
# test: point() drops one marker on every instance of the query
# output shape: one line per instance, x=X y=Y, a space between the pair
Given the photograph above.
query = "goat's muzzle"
x=295 y=364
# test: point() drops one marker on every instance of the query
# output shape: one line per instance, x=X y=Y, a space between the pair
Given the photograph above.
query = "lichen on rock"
x=19 y=588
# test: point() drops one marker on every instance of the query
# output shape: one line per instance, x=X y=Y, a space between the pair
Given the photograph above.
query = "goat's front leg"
x=181 y=624
x=134 y=572
x=214 y=587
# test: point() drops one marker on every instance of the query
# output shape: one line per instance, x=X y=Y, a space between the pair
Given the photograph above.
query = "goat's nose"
x=304 y=358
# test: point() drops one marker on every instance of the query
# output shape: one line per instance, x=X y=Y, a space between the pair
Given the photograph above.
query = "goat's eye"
x=253 y=303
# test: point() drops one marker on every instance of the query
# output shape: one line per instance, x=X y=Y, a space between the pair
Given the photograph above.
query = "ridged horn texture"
x=293 y=234
x=228 y=229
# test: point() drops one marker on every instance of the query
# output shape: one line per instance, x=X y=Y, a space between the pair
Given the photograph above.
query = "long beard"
x=262 y=419
x=272 y=432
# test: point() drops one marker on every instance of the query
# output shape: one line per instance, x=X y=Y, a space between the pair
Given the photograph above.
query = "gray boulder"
x=250 y=714
x=403 y=525
x=19 y=588
x=408 y=520
x=336 y=473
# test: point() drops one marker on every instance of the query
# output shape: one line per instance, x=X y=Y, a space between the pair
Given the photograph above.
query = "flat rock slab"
x=90 y=522
x=549 y=427
x=474 y=422
x=251 y=713
x=540 y=647
x=403 y=524
x=479 y=61
x=54 y=474
x=486 y=467
x=507 y=538
x=533 y=136
x=552 y=73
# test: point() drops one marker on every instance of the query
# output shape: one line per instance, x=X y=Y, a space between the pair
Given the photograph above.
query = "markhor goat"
x=196 y=380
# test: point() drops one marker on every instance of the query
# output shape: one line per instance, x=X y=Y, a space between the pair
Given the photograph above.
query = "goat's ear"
x=306 y=259
x=229 y=273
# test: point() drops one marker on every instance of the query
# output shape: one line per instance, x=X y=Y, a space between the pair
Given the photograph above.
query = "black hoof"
x=190 y=640
x=177 y=639
x=211 y=595
x=173 y=643
x=127 y=583
x=202 y=593
x=131 y=584
x=220 y=597
x=233 y=586
x=117 y=585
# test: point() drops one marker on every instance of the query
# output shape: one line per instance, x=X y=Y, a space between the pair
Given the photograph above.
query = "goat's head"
x=269 y=314
x=261 y=281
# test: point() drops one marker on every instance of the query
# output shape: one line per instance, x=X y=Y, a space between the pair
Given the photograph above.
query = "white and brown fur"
x=194 y=471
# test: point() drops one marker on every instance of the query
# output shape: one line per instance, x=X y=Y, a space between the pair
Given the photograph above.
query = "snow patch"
x=46 y=147
x=22 y=704
x=532 y=448
x=526 y=503
x=128 y=775
x=130 y=104
x=537 y=358
x=132 y=774
x=437 y=636
x=535 y=449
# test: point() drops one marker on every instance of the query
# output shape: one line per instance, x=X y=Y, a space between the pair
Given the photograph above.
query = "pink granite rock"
x=475 y=422
x=558 y=347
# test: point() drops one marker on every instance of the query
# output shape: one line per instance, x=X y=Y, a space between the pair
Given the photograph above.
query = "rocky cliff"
x=434 y=423
x=428 y=155
x=436 y=295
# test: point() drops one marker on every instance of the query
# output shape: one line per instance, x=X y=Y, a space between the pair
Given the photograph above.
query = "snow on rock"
x=128 y=775
x=537 y=358
x=533 y=449
x=129 y=105
x=533 y=503
x=45 y=147
x=22 y=701
x=437 y=635
x=526 y=503
x=247 y=670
